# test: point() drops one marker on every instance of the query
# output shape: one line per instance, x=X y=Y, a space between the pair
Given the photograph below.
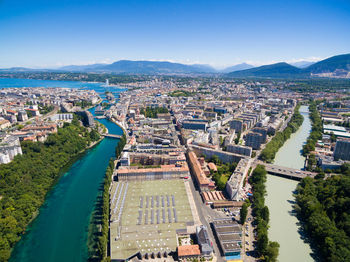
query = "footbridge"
x=113 y=136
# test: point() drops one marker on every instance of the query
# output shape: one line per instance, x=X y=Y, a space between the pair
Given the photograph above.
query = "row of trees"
x=25 y=181
x=268 y=250
x=324 y=208
x=120 y=146
x=243 y=213
x=269 y=152
x=102 y=240
x=316 y=131
x=153 y=112
x=98 y=241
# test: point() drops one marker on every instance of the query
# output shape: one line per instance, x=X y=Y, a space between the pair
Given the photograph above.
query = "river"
x=59 y=233
x=284 y=226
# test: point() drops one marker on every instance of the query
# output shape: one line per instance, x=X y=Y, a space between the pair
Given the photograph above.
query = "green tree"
x=272 y=252
x=243 y=213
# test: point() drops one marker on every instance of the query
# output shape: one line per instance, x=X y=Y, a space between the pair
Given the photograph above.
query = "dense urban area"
x=188 y=179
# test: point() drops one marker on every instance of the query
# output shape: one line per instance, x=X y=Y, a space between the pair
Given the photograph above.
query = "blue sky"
x=51 y=33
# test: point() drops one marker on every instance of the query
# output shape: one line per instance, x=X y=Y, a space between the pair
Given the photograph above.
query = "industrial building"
x=156 y=173
x=229 y=234
x=145 y=218
x=171 y=158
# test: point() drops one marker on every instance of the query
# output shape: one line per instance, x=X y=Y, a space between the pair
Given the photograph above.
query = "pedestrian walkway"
x=193 y=207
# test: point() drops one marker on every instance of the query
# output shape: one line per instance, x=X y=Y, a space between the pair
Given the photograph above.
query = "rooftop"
x=189 y=250
x=131 y=235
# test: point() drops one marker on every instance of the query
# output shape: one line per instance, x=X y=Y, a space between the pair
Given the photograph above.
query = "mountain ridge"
x=335 y=66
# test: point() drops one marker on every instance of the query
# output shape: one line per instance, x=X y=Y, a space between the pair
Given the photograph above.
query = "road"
x=206 y=214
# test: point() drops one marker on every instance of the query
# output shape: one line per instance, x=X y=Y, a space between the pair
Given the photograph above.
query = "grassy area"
x=223 y=174
x=142 y=166
x=179 y=93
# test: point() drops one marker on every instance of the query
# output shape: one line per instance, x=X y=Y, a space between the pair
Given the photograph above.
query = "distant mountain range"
x=152 y=67
x=335 y=66
x=302 y=64
x=143 y=67
x=238 y=67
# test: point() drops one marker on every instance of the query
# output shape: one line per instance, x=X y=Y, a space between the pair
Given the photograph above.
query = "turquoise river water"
x=59 y=233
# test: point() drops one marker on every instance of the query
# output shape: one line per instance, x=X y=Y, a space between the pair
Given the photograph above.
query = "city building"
x=201 y=179
x=188 y=252
x=9 y=148
x=204 y=241
x=235 y=183
x=22 y=116
x=342 y=150
x=229 y=234
x=238 y=149
x=254 y=140
x=195 y=125
x=237 y=125
x=163 y=172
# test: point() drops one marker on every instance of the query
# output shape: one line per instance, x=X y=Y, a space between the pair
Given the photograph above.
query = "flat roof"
x=128 y=237
x=335 y=128
x=337 y=133
x=229 y=234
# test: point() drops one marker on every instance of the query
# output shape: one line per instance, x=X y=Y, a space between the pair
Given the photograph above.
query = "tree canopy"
x=26 y=180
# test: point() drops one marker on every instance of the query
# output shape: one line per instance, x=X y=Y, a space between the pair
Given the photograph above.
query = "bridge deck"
x=113 y=136
x=288 y=172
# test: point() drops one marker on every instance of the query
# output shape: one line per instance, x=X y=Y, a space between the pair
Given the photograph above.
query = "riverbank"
x=315 y=135
x=267 y=250
x=60 y=231
x=98 y=236
x=284 y=225
x=269 y=152
x=31 y=176
x=322 y=207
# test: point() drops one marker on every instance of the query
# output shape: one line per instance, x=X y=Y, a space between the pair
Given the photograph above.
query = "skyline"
x=59 y=33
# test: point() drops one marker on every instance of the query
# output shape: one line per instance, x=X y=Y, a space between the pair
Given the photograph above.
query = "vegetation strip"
x=27 y=179
x=98 y=241
x=316 y=134
x=269 y=152
x=323 y=207
x=267 y=250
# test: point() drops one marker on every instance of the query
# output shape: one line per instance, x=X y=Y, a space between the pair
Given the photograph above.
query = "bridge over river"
x=113 y=136
x=287 y=172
